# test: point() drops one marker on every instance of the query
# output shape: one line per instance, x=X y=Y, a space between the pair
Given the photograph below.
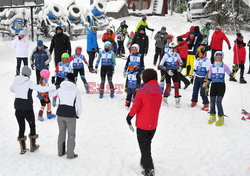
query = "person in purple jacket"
x=218 y=87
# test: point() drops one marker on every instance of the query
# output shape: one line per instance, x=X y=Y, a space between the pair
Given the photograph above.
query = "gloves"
x=192 y=79
x=124 y=74
x=53 y=80
x=33 y=66
x=77 y=117
x=179 y=69
x=170 y=73
x=229 y=47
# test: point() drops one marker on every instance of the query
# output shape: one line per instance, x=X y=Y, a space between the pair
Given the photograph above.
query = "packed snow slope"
x=184 y=144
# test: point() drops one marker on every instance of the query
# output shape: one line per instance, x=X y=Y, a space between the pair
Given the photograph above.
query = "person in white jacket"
x=21 y=46
x=69 y=109
x=23 y=87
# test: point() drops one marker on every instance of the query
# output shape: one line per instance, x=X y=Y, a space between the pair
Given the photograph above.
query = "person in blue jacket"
x=40 y=59
x=92 y=46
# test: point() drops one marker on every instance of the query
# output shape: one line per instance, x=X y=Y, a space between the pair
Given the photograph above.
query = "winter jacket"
x=217 y=40
x=69 y=100
x=108 y=37
x=160 y=39
x=60 y=43
x=41 y=59
x=122 y=32
x=187 y=34
x=107 y=58
x=92 y=44
x=205 y=34
x=133 y=80
x=239 y=51
x=21 y=47
x=182 y=49
x=142 y=41
x=147 y=105
x=142 y=24
x=23 y=87
x=194 y=43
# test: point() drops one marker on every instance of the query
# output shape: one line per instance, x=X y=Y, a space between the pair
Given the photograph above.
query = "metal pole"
x=140 y=4
x=172 y=6
x=32 y=20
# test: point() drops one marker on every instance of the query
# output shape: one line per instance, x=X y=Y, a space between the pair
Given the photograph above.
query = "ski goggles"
x=134 y=48
x=218 y=54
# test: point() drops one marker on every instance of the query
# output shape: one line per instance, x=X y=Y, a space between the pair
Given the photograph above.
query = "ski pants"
x=158 y=53
x=38 y=76
x=28 y=115
x=190 y=64
x=130 y=94
x=91 y=58
x=66 y=124
x=212 y=55
x=217 y=92
x=144 y=138
x=121 y=48
x=107 y=71
x=175 y=79
x=198 y=82
x=82 y=74
x=19 y=61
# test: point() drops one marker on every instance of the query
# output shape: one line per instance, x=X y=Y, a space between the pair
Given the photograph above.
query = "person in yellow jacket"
x=144 y=24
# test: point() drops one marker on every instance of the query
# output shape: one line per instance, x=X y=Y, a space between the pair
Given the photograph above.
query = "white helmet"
x=135 y=46
x=219 y=53
x=172 y=45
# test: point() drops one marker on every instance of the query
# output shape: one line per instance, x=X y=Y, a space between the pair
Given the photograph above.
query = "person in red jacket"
x=146 y=107
x=216 y=43
x=239 y=58
x=187 y=34
x=109 y=35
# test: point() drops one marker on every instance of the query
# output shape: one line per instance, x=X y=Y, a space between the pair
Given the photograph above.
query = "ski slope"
x=184 y=144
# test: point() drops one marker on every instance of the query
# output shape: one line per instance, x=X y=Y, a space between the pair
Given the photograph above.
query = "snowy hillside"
x=184 y=144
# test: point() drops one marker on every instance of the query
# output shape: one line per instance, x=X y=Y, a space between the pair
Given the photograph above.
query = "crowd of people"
x=189 y=52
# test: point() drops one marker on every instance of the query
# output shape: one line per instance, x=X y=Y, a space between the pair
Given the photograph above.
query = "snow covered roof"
x=114 y=6
x=197 y=1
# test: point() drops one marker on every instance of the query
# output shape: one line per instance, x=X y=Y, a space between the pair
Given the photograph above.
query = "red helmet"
x=79 y=48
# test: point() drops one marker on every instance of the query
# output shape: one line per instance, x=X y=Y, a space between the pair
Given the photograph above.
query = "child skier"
x=130 y=39
x=171 y=64
x=217 y=77
x=169 y=39
x=62 y=69
x=239 y=58
x=135 y=57
x=201 y=70
x=78 y=61
x=133 y=82
x=44 y=96
x=121 y=33
x=107 y=57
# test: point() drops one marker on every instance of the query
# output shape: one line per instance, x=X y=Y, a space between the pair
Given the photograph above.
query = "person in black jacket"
x=60 y=43
x=142 y=40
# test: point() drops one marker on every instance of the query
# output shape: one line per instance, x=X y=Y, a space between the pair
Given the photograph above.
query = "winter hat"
x=21 y=33
x=163 y=28
x=71 y=77
x=65 y=55
x=132 y=34
x=179 y=39
x=170 y=36
x=239 y=35
x=148 y=75
x=79 y=48
x=59 y=28
x=45 y=73
x=208 y=24
x=217 y=28
x=39 y=43
x=26 y=71
x=94 y=28
x=107 y=44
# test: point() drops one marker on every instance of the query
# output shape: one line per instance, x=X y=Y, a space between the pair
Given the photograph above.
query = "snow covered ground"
x=184 y=144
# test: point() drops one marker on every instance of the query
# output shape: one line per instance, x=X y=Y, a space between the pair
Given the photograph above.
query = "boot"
x=112 y=93
x=75 y=156
x=40 y=115
x=212 y=119
x=127 y=103
x=243 y=81
x=177 y=101
x=205 y=107
x=33 y=145
x=148 y=172
x=193 y=104
x=101 y=93
x=22 y=145
x=232 y=79
x=50 y=115
x=220 y=122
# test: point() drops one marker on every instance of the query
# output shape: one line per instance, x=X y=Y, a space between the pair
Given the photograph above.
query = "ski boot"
x=112 y=93
x=148 y=172
x=40 y=116
x=33 y=145
x=177 y=101
x=205 y=107
x=54 y=102
x=212 y=119
x=22 y=145
x=127 y=103
x=101 y=93
x=193 y=104
x=220 y=122
x=242 y=80
x=72 y=157
x=50 y=115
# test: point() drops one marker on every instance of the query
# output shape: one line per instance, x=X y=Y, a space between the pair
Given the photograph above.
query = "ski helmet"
x=218 y=53
x=45 y=73
x=65 y=55
x=135 y=46
x=208 y=24
x=202 y=50
x=144 y=17
x=107 y=44
x=172 y=45
x=79 y=48
x=170 y=36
